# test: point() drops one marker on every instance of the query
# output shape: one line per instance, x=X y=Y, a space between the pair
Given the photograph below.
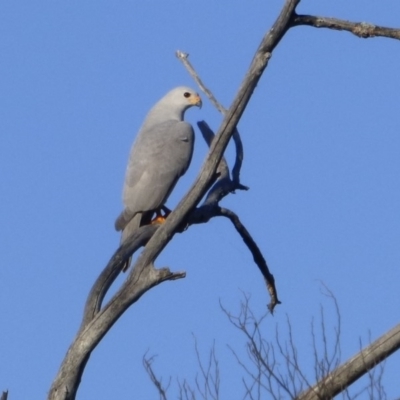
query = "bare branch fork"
x=214 y=175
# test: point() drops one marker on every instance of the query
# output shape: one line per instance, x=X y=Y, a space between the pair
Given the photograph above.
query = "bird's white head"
x=173 y=105
x=177 y=101
x=183 y=97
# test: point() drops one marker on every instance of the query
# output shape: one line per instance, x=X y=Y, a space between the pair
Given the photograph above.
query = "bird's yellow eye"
x=186 y=94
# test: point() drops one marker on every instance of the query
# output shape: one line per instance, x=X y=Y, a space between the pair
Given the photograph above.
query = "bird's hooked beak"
x=195 y=101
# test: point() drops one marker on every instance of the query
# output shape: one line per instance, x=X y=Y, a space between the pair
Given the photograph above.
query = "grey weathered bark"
x=343 y=376
x=360 y=29
x=143 y=276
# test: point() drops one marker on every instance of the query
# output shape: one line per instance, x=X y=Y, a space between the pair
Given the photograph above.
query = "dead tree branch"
x=257 y=255
x=112 y=270
x=360 y=29
x=224 y=184
x=144 y=276
x=343 y=376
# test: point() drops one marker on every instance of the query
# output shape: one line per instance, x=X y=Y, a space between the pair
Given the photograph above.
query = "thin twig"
x=211 y=383
x=147 y=363
x=184 y=57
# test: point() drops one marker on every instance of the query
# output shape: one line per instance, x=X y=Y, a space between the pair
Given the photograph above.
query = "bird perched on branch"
x=160 y=155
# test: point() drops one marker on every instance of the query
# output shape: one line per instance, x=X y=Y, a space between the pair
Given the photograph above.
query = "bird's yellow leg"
x=159 y=218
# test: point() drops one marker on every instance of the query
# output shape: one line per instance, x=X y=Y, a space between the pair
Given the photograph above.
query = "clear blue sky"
x=322 y=145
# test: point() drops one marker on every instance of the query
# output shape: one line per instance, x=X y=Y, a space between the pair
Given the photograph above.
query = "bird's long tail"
x=129 y=229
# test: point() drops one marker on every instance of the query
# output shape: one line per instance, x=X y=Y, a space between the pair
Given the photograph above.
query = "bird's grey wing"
x=160 y=155
x=134 y=172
